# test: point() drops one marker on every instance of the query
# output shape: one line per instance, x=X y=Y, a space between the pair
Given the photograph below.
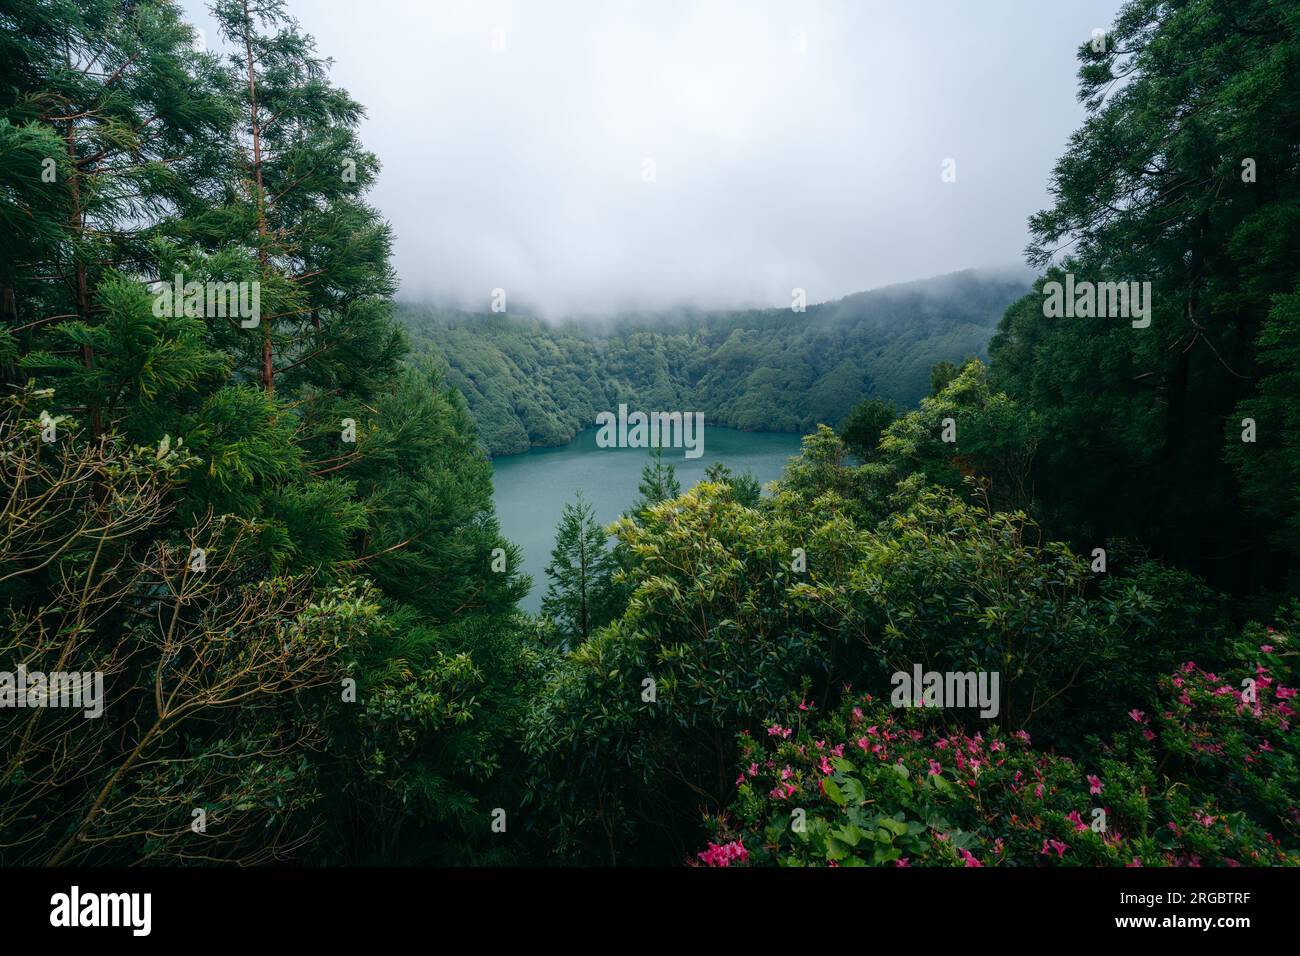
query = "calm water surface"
x=532 y=489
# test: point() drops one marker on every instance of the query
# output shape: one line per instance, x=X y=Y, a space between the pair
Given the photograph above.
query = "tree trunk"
x=268 y=370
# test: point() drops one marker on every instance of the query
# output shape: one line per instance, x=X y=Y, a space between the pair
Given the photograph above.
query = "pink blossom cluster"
x=724 y=854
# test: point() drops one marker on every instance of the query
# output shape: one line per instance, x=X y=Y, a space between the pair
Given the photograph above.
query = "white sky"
x=523 y=168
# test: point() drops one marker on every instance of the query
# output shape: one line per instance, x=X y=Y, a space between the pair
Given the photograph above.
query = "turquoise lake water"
x=532 y=489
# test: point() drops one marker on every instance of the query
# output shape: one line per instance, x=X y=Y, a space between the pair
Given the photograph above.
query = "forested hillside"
x=530 y=382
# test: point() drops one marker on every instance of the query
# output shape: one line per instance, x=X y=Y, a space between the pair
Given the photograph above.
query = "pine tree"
x=745 y=488
x=658 y=484
x=322 y=252
x=118 y=88
x=581 y=565
x=387 y=544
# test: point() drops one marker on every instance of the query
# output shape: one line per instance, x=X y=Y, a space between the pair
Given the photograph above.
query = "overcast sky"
x=793 y=144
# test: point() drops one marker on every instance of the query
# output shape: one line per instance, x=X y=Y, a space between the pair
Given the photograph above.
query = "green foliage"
x=1185 y=101
x=1269 y=467
x=744 y=488
x=578 y=598
x=861 y=431
x=658 y=484
x=966 y=430
x=530 y=383
x=620 y=765
x=1213 y=781
x=277 y=542
x=321 y=557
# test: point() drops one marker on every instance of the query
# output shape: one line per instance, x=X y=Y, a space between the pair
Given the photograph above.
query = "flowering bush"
x=1208 y=779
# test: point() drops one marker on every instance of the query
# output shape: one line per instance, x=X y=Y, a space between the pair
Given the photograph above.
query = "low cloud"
x=788 y=145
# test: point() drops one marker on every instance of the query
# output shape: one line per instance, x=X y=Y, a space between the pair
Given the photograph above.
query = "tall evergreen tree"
x=581 y=565
x=322 y=252
x=658 y=483
x=1184 y=174
x=113 y=96
x=365 y=548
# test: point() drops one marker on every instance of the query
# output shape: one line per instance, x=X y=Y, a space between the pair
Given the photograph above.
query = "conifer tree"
x=127 y=101
x=579 y=571
x=322 y=252
x=1184 y=175
x=658 y=483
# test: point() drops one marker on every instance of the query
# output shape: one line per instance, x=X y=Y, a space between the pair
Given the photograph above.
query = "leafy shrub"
x=1210 y=779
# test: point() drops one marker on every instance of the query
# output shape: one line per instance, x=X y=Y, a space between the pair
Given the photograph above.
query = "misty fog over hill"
x=532 y=382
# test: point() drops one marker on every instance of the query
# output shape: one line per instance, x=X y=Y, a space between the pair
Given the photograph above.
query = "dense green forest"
x=530 y=382
x=271 y=533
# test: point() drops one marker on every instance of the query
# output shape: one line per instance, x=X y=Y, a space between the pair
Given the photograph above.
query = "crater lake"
x=532 y=489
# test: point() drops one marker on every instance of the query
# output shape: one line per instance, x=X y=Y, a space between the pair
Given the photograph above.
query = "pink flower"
x=1266 y=648
x=825 y=765
x=902 y=861
x=1022 y=736
x=969 y=858
x=776 y=730
x=936 y=768
x=1094 y=784
x=1056 y=845
x=724 y=854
